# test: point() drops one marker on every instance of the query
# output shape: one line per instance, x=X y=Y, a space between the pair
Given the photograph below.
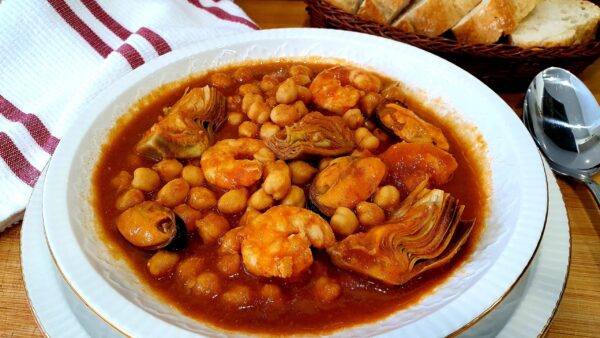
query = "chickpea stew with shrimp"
x=279 y=197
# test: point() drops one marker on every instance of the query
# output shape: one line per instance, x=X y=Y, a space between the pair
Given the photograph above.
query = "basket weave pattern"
x=501 y=66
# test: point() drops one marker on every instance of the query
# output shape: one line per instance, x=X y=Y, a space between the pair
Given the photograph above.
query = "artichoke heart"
x=188 y=128
x=426 y=232
x=314 y=135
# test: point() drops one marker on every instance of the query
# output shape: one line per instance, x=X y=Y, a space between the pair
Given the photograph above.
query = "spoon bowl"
x=563 y=117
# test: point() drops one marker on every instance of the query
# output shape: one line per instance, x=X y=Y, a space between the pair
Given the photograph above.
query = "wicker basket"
x=503 y=67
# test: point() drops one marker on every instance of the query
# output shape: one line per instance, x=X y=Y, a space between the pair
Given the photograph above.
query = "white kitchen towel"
x=55 y=55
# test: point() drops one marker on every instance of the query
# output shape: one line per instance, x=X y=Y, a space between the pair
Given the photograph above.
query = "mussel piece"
x=410 y=163
x=345 y=182
x=188 y=128
x=180 y=240
x=314 y=135
x=148 y=225
x=426 y=234
x=410 y=127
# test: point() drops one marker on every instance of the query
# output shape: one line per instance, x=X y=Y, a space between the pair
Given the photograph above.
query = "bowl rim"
x=55 y=207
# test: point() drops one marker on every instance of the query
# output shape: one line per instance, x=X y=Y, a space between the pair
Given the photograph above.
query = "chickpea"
x=284 y=115
x=324 y=162
x=264 y=155
x=271 y=293
x=188 y=214
x=234 y=103
x=249 y=99
x=387 y=196
x=300 y=70
x=300 y=108
x=344 y=221
x=260 y=200
x=302 y=172
x=243 y=75
x=229 y=264
x=173 y=193
x=238 y=295
x=233 y=201
x=207 y=284
x=278 y=180
x=369 y=214
x=365 y=81
x=193 y=175
x=168 y=169
x=259 y=112
x=248 y=129
x=295 y=197
x=122 y=180
x=249 y=88
x=212 y=227
x=304 y=94
x=235 y=119
x=129 y=198
x=162 y=263
x=248 y=216
x=287 y=92
x=268 y=83
x=268 y=129
x=369 y=102
x=301 y=79
x=353 y=118
x=201 y=198
x=365 y=139
x=188 y=269
x=327 y=289
x=221 y=80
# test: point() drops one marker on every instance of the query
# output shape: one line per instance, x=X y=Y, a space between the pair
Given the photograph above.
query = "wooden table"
x=579 y=311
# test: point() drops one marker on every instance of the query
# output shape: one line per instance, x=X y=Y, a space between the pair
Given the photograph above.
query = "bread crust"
x=350 y=6
x=381 y=11
x=434 y=17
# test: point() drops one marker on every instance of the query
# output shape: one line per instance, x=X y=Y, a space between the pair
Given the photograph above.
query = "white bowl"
x=511 y=236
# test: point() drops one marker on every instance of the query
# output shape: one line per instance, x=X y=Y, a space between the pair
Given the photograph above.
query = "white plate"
x=507 y=244
x=525 y=312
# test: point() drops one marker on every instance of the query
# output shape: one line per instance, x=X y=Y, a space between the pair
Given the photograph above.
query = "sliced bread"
x=489 y=20
x=434 y=17
x=381 y=11
x=558 y=23
x=350 y=6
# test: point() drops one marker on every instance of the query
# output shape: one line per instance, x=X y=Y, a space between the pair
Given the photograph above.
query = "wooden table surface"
x=578 y=314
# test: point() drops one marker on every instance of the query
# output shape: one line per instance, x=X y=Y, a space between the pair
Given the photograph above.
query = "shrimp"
x=277 y=243
x=340 y=88
x=233 y=163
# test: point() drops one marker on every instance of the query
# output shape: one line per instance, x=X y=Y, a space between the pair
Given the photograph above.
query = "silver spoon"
x=563 y=117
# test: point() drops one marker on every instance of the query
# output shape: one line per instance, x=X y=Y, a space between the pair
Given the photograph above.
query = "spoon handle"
x=594 y=188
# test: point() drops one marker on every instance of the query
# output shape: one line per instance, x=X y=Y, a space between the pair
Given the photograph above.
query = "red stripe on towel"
x=160 y=45
x=61 y=7
x=131 y=55
x=32 y=123
x=16 y=162
x=222 y=14
x=108 y=21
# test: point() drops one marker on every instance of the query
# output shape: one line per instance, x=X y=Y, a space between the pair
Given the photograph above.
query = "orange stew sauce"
x=362 y=300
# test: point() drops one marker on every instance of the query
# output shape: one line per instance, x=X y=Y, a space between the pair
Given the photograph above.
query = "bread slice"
x=381 y=11
x=489 y=20
x=434 y=17
x=558 y=23
x=350 y=6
